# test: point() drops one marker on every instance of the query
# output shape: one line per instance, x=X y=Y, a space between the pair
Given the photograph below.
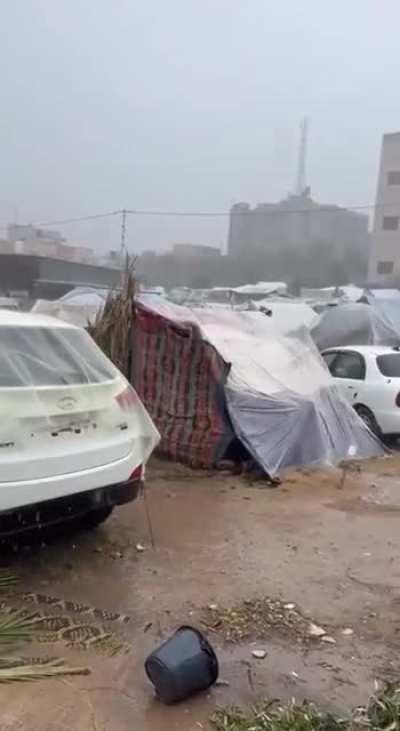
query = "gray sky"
x=189 y=105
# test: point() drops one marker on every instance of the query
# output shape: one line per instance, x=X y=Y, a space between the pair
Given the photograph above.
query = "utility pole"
x=123 y=233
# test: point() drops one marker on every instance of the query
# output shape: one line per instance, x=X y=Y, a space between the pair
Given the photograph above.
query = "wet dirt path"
x=329 y=545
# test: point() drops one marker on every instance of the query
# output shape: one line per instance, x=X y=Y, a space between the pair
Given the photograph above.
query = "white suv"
x=74 y=436
x=369 y=377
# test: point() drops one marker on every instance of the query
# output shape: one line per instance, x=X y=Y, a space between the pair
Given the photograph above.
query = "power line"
x=80 y=219
x=63 y=222
x=272 y=210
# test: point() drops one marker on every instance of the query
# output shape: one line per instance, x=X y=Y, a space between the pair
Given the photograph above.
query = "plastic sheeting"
x=50 y=356
x=78 y=307
x=358 y=324
x=384 y=294
x=180 y=377
x=282 y=401
x=261 y=288
x=288 y=316
x=55 y=382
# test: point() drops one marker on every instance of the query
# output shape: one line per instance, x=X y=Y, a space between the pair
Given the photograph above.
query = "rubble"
x=259 y=654
x=261 y=619
x=330 y=640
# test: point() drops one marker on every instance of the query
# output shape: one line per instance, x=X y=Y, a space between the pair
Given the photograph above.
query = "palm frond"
x=15 y=629
x=18 y=628
x=112 y=329
x=38 y=671
x=7 y=580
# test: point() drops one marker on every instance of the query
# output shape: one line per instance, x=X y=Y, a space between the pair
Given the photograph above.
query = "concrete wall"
x=384 y=263
x=50 y=278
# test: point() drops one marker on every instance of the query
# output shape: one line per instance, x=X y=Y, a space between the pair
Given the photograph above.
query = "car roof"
x=10 y=318
x=364 y=349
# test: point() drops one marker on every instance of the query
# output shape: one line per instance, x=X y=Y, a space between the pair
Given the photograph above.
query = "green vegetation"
x=381 y=714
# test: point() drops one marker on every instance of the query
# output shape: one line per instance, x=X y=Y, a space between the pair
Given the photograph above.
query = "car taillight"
x=138 y=473
x=398 y=400
x=127 y=399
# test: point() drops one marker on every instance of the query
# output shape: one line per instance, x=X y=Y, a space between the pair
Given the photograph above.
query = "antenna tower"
x=301 y=161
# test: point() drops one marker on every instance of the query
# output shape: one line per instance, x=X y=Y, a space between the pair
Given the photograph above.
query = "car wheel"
x=369 y=419
x=96 y=517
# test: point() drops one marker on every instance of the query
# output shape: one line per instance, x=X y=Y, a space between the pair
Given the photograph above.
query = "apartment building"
x=384 y=263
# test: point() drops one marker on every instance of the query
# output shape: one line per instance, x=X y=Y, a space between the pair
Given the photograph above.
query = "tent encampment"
x=217 y=380
x=357 y=324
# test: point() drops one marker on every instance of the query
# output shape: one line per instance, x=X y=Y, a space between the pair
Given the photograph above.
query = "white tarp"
x=283 y=403
x=261 y=288
x=383 y=294
x=288 y=316
x=351 y=293
x=332 y=295
x=78 y=307
x=358 y=324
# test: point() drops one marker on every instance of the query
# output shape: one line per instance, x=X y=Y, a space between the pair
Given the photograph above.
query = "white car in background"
x=74 y=436
x=369 y=377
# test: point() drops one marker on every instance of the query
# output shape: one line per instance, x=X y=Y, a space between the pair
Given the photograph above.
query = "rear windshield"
x=33 y=356
x=389 y=365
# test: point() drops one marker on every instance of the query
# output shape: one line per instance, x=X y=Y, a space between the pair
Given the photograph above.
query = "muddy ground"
x=328 y=542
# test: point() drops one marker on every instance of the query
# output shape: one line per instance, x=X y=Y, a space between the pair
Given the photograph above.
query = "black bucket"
x=183 y=665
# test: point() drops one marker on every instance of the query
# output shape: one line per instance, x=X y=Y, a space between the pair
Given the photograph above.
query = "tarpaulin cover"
x=288 y=316
x=261 y=288
x=78 y=307
x=194 y=368
x=181 y=378
x=358 y=324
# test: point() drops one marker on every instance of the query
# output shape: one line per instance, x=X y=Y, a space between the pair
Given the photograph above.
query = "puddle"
x=284 y=673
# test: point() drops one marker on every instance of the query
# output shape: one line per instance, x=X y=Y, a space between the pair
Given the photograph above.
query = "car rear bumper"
x=20 y=493
x=70 y=507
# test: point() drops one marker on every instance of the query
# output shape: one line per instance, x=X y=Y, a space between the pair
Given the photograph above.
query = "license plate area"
x=63 y=426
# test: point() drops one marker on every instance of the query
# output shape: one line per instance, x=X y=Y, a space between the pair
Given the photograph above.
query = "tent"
x=78 y=307
x=261 y=289
x=321 y=299
x=382 y=294
x=357 y=324
x=287 y=315
x=215 y=381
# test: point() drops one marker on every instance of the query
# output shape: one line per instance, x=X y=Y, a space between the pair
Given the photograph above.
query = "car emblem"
x=67 y=403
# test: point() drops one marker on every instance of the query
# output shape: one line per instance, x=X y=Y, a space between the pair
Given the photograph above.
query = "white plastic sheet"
x=78 y=307
x=358 y=324
x=288 y=316
x=62 y=401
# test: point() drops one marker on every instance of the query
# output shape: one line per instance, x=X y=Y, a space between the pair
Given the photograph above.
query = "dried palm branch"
x=112 y=329
x=38 y=671
x=16 y=629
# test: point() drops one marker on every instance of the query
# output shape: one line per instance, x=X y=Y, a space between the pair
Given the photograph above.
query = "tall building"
x=384 y=263
x=32 y=241
x=298 y=221
x=27 y=232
